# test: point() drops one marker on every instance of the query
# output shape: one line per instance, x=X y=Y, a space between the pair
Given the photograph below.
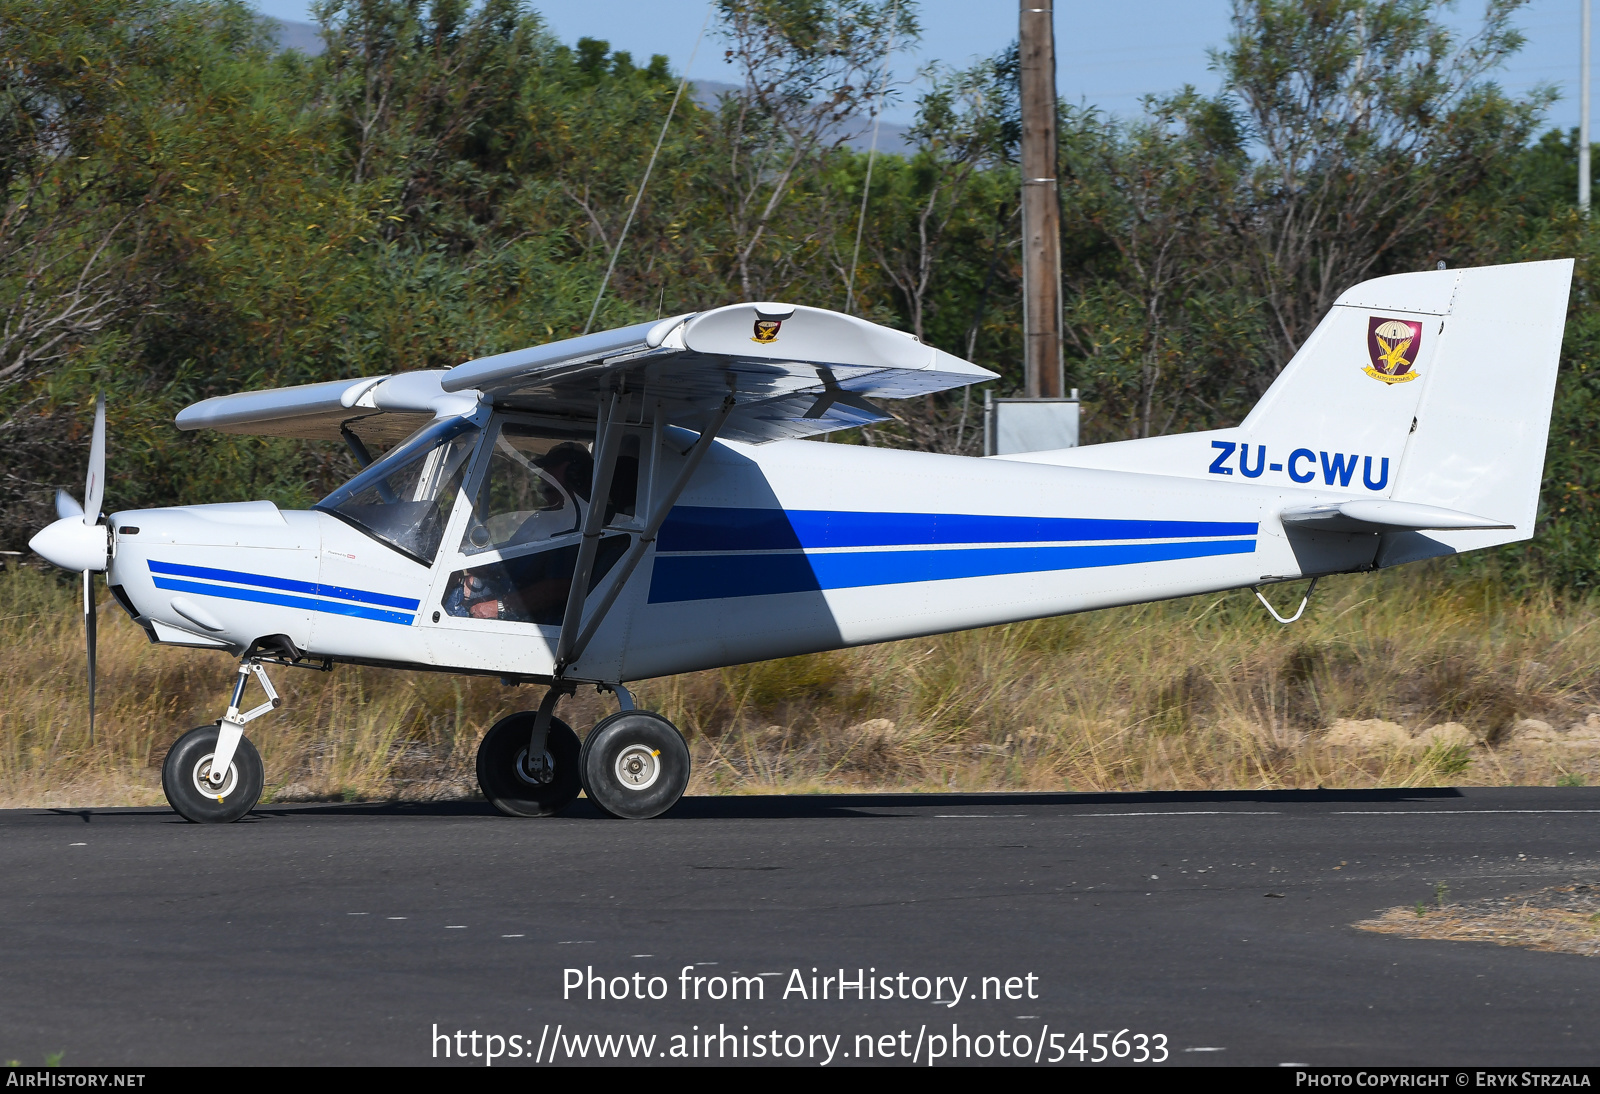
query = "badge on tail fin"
x=1392 y=345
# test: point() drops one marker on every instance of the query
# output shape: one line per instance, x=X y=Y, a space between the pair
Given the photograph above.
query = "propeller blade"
x=90 y=634
x=67 y=505
x=94 y=491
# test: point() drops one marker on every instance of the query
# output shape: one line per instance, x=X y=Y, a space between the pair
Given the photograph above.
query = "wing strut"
x=357 y=446
x=608 y=438
x=657 y=518
x=594 y=522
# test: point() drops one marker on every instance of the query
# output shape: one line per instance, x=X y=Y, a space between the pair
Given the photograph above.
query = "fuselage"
x=772 y=550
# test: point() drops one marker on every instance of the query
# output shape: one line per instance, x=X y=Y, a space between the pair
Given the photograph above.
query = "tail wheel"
x=635 y=765
x=186 y=779
x=518 y=786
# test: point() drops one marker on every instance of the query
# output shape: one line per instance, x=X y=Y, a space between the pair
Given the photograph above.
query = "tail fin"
x=1432 y=389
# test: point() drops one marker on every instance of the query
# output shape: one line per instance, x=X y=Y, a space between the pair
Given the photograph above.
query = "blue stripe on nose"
x=259 y=596
x=263 y=581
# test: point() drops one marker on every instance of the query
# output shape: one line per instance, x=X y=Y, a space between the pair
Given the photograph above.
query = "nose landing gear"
x=213 y=774
x=186 y=778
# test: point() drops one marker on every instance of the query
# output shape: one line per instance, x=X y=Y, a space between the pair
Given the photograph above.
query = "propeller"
x=76 y=541
x=90 y=634
x=94 y=493
x=94 y=490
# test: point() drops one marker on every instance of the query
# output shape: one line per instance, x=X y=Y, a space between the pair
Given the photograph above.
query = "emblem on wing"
x=1392 y=345
x=766 y=330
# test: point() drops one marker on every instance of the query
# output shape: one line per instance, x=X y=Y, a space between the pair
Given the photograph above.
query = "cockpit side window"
x=405 y=498
x=535 y=486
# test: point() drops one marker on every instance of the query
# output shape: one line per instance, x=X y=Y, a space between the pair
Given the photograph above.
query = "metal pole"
x=1041 y=211
x=1583 y=112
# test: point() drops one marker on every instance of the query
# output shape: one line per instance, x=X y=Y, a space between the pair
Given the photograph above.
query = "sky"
x=1108 y=54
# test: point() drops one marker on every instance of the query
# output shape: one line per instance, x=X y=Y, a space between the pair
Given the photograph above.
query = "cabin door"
x=504 y=571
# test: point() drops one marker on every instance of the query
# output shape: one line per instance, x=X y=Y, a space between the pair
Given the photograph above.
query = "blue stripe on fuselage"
x=238 y=577
x=713 y=577
x=261 y=596
x=712 y=528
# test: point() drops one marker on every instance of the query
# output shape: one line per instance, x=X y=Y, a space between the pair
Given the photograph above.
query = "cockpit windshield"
x=404 y=498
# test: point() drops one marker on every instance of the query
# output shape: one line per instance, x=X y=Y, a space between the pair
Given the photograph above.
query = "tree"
x=1155 y=316
x=938 y=227
x=960 y=130
x=75 y=91
x=426 y=96
x=92 y=95
x=1371 y=118
x=811 y=70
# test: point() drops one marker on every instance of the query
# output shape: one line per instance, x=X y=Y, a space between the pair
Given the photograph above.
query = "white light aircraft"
x=639 y=502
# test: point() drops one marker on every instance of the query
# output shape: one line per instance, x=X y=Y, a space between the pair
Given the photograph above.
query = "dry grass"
x=1193 y=694
x=1562 y=919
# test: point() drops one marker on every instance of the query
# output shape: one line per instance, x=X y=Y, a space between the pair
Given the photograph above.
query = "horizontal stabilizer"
x=1377 y=515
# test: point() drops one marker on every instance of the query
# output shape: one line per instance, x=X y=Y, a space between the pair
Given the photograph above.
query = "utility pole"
x=1046 y=418
x=1041 y=210
x=1583 y=111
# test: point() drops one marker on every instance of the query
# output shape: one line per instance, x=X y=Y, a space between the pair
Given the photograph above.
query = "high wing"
x=385 y=409
x=791 y=371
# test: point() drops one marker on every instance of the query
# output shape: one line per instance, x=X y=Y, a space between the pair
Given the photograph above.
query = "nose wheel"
x=635 y=765
x=187 y=778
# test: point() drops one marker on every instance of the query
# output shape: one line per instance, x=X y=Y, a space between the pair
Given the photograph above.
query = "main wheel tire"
x=583 y=773
x=185 y=778
x=517 y=788
x=636 y=765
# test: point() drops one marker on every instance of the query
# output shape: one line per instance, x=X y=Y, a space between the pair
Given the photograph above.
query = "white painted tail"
x=1428 y=388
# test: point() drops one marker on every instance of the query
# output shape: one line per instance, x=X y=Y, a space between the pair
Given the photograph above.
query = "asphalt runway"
x=361 y=934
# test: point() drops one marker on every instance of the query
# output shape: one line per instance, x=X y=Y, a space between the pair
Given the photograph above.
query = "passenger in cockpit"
x=570 y=464
x=531 y=588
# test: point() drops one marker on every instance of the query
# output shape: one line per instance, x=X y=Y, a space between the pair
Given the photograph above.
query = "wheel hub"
x=202 y=778
x=536 y=772
x=638 y=767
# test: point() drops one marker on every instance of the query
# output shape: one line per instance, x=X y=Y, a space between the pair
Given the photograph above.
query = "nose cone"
x=73 y=545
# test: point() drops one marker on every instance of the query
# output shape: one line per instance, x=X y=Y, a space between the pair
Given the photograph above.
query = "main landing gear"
x=522 y=781
x=634 y=764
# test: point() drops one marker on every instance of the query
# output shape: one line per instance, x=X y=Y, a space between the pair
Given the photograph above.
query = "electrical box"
x=1029 y=425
